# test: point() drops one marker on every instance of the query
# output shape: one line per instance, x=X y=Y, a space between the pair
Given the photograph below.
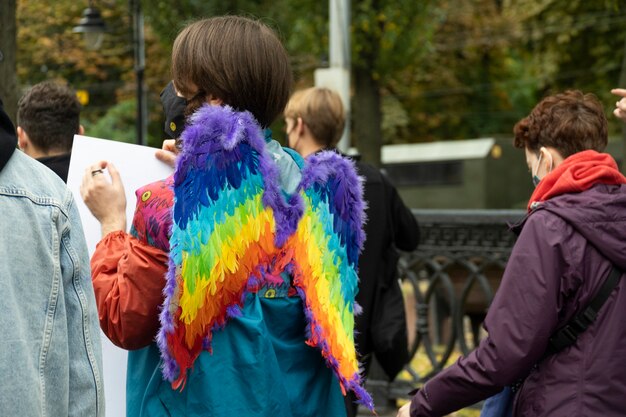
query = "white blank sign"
x=138 y=167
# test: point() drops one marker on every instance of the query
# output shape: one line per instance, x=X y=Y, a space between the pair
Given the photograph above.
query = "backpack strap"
x=567 y=335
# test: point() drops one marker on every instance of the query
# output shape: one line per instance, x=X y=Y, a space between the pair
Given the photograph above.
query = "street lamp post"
x=140 y=65
x=337 y=76
x=339 y=48
x=92 y=26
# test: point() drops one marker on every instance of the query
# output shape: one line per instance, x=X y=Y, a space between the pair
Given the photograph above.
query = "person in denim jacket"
x=50 y=354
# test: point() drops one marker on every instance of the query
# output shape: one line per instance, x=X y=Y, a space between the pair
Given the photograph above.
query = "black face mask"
x=174 y=110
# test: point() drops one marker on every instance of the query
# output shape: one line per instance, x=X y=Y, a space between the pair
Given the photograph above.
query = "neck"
x=37 y=153
x=309 y=151
x=308 y=146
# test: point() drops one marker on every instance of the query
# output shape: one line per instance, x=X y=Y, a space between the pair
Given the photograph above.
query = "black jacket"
x=390 y=224
x=60 y=164
x=8 y=139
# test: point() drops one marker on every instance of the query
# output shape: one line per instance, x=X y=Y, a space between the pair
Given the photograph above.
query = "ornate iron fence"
x=449 y=282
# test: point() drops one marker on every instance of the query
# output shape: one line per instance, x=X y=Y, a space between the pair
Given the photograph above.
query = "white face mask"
x=536 y=179
x=535 y=171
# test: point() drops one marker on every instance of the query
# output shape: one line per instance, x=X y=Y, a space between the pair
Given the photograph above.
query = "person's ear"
x=22 y=139
x=81 y=130
x=299 y=126
x=546 y=159
x=214 y=101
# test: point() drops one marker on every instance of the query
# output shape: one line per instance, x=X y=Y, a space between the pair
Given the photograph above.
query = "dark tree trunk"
x=367 y=115
x=484 y=95
x=622 y=84
x=8 y=49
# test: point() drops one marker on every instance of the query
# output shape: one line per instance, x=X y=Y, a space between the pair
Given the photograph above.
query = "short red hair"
x=570 y=122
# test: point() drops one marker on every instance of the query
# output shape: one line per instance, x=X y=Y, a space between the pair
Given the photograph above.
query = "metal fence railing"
x=449 y=282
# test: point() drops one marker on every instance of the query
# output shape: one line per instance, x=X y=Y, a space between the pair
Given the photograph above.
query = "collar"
x=268 y=134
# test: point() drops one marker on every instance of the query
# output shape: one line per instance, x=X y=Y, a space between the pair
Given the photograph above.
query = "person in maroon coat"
x=573 y=236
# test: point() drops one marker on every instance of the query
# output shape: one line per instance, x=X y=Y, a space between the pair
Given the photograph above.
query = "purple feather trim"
x=170 y=368
x=287 y=216
x=363 y=397
x=220 y=129
x=233 y=311
x=354 y=384
x=348 y=193
x=358 y=310
x=334 y=178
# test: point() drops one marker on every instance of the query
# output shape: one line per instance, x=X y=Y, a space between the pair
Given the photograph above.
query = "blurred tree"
x=48 y=49
x=493 y=60
x=8 y=81
x=389 y=39
x=117 y=123
x=457 y=90
x=422 y=70
x=576 y=44
x=301 y=24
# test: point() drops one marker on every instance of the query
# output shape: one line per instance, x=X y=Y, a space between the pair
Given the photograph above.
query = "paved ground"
x=366 y=413
x=382 y=412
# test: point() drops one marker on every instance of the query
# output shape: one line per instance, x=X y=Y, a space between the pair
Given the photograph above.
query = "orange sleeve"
x=128 y=277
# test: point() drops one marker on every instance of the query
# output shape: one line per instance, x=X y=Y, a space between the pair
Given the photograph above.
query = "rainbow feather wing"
x=231 y=222
x=223 y=230
x=326 y=247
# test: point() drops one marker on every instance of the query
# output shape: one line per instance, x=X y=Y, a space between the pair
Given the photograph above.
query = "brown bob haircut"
x=322 y=111
x=570 y=122
x=238 y=60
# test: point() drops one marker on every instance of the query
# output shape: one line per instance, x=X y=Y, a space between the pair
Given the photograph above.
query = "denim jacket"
x=50 y=353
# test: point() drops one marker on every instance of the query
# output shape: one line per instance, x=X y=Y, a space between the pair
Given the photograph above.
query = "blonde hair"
x=321 y=109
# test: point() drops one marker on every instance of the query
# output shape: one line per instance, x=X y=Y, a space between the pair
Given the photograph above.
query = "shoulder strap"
x=567 y=335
